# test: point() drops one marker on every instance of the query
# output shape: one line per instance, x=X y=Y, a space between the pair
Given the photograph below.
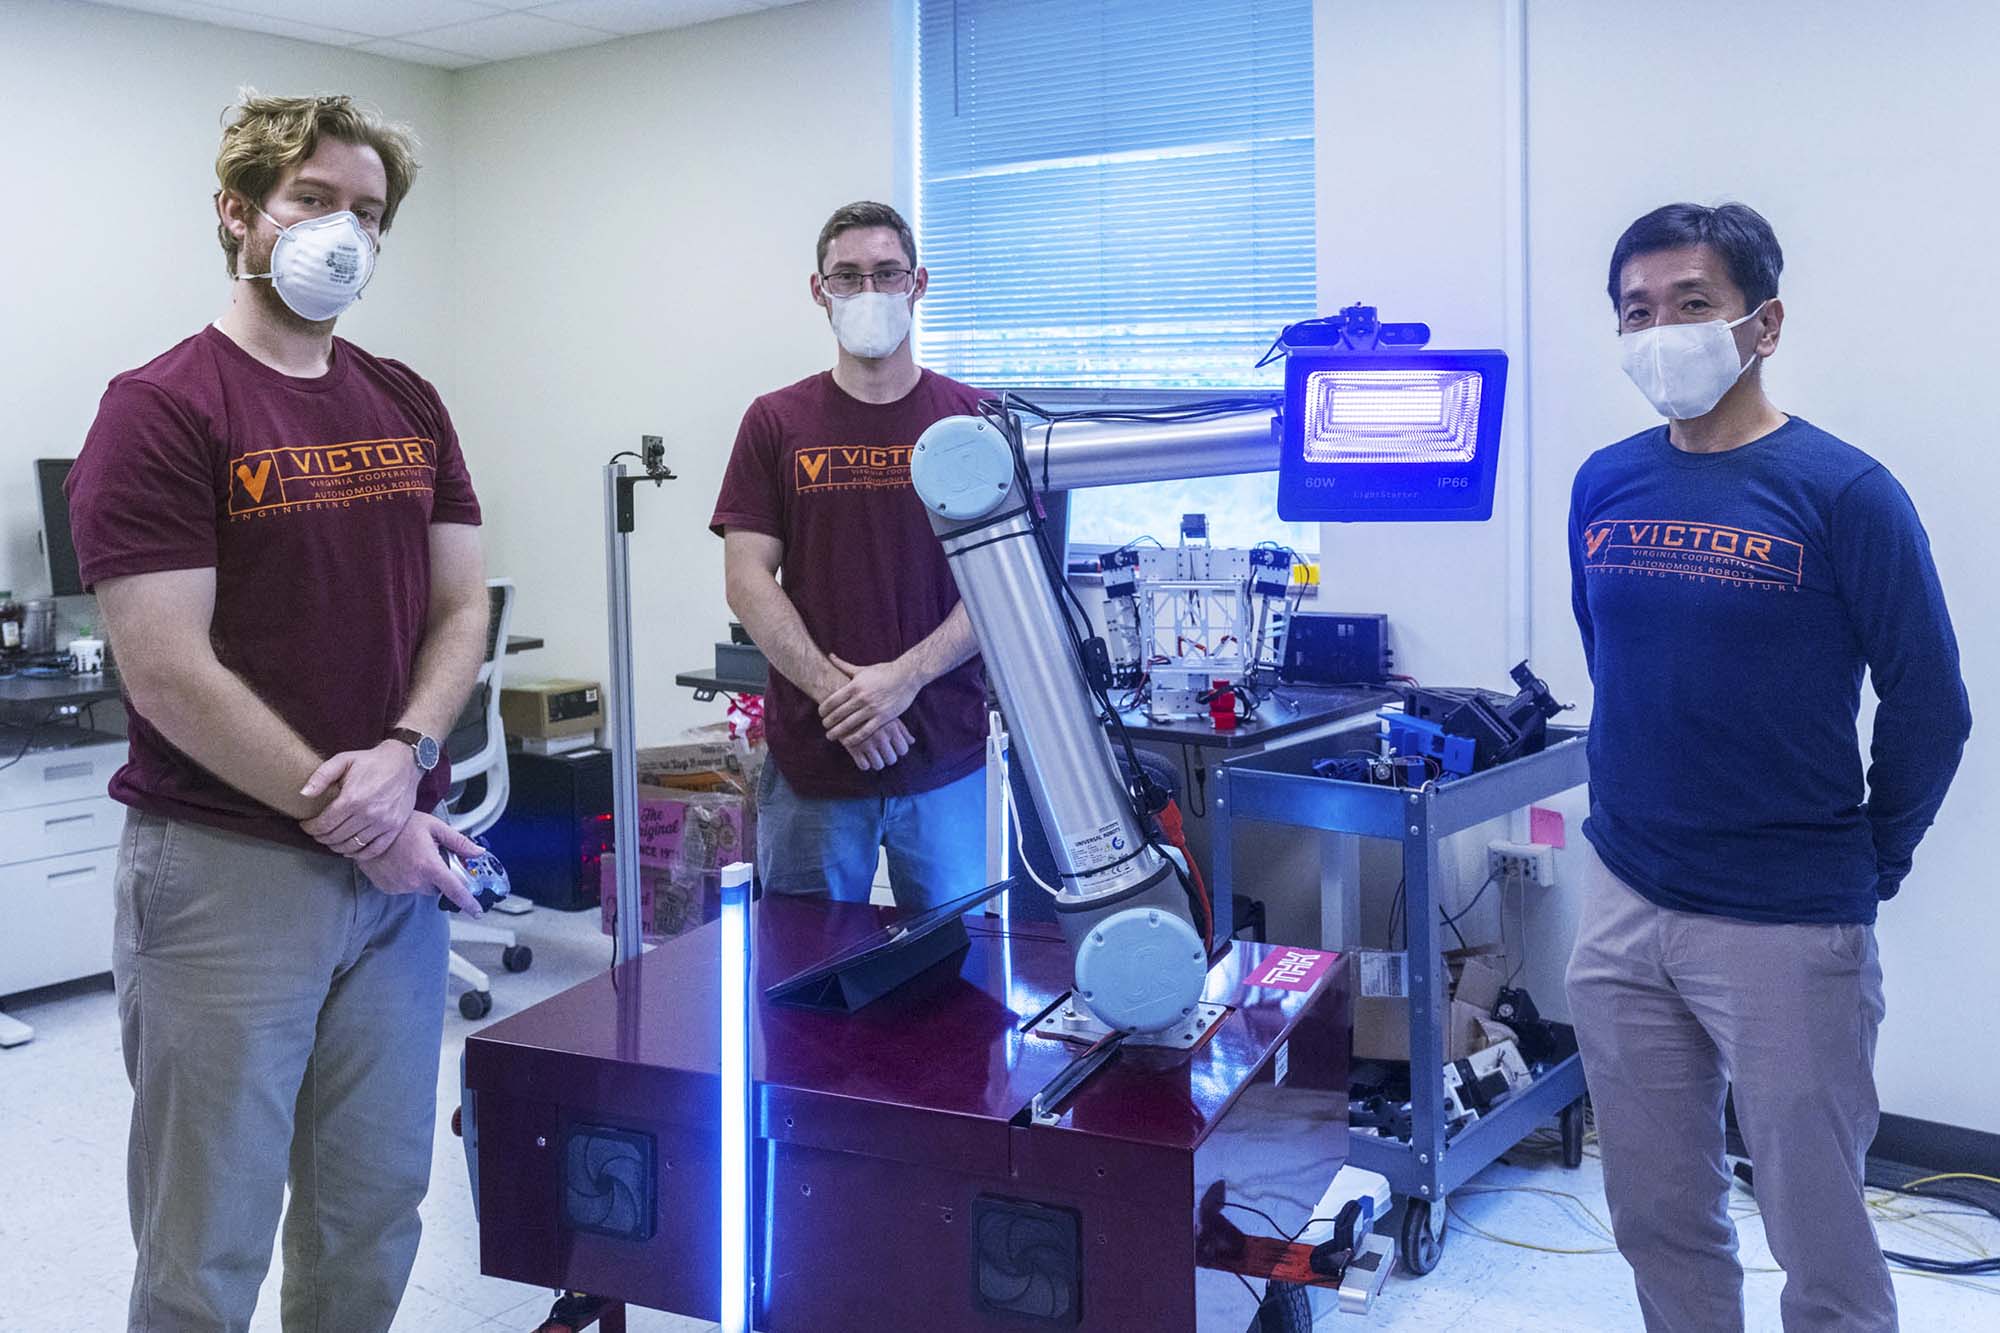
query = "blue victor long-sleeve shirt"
x=1729 y=604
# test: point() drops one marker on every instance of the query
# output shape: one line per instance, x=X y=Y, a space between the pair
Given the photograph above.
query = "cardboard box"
x=685 y=839
x=1479 y=983
x=1382 y=1011
x=697 y=830
x=671 y=901
x=551 y=708
x=1382 y=1030
x=703 y=763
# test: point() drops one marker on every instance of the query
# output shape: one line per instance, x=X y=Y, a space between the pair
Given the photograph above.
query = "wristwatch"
x=426 y=747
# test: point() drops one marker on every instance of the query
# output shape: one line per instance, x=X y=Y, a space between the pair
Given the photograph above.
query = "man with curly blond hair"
x=284 y=541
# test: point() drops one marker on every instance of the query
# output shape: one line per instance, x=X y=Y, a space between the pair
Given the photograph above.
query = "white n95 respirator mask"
x=871 y=324
x=319 y=266
x=1684 y=369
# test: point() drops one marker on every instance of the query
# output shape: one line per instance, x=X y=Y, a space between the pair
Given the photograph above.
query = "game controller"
x=484 y=872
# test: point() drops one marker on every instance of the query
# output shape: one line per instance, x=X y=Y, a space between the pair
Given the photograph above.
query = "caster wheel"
x=1572 y=1122
x=1418 y=1246
x=519 y=958
x=1286 y=1309
x=475 y=1004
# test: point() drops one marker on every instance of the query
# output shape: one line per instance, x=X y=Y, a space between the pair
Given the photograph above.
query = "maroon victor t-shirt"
x=829 y=475
x=312 y=500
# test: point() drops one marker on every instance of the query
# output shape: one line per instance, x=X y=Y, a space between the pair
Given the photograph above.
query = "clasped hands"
x=373 y=821
x=865 y=714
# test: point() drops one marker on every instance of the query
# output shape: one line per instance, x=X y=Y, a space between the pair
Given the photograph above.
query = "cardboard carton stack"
x=697 y=814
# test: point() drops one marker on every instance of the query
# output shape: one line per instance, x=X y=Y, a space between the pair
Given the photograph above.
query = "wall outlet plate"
x=1528 y=862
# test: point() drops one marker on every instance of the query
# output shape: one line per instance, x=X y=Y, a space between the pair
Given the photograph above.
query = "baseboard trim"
x=1914 y=1142
x=1941 y=1147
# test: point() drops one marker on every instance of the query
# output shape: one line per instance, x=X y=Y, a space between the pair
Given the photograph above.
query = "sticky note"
x=1546 y=827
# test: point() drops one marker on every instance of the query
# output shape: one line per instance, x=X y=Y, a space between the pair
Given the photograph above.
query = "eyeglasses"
x=896 y=280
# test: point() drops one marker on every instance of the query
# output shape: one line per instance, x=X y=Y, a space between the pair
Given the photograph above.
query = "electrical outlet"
x=1530 y=862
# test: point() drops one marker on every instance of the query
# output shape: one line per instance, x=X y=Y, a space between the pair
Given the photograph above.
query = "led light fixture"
x=1378 y=430
x=736 y=1085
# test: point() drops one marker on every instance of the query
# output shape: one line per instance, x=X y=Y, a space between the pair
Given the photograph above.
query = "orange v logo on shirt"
x=853 y=468
x=319 y=475
x=1594 y=540
x=254 y=482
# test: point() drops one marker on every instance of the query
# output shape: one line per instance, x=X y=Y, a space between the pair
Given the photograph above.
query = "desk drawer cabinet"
x=47 y=776
x=59 y=919
x=42 y=831
x=58 y=854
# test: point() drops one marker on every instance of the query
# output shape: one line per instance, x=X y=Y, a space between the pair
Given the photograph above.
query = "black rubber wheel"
x=475 y=1004
x=1418 y=1246
x=518 y=958
x=1572 y=1122
x=1286 y=1309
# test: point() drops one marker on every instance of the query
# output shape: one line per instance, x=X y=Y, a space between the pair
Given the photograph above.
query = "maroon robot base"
x=902 y=1178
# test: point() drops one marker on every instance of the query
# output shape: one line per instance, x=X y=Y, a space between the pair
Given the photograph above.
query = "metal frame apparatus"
x=1279 y=787
x=1184 y=619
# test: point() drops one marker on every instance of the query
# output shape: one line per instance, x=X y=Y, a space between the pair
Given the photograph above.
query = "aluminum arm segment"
x=1076 y=454
x=1140 y=962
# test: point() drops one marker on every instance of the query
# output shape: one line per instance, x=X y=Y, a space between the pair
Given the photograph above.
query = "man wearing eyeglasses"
x=876 y=709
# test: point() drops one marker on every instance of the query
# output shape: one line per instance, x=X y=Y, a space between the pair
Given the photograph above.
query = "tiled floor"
x=65 y=1251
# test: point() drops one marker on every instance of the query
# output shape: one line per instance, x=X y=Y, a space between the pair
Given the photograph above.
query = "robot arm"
x=1140 y=958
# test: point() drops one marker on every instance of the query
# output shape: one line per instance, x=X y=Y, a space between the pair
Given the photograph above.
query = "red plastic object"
x=1222 y=707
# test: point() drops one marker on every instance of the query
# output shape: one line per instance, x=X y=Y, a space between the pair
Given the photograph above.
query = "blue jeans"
x=936 y=841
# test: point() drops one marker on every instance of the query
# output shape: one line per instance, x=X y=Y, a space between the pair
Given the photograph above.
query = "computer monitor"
x=65 y=579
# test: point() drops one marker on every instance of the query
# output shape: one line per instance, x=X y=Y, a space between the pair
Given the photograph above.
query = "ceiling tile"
x=226 y=17
x=422 y=55
x=377 y=18
x=505 y=36
x=636 y=16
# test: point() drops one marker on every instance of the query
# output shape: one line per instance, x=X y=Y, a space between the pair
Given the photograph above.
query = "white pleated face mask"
x=1684 y=369
x=871 y=324
x=319 y=266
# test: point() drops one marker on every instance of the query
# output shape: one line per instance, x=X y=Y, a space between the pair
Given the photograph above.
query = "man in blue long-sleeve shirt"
x=1735 y=572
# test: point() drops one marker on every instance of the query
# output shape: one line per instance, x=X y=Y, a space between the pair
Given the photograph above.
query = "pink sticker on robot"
x=1292 y=969
x=1545 y=826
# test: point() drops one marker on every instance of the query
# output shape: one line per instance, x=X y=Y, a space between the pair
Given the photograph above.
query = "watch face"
x=427 y=754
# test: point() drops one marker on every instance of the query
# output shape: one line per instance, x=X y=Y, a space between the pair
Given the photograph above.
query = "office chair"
x=480 y=777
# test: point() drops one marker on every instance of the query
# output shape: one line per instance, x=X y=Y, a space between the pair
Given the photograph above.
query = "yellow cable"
x=1481 y=1232
x=1952 y=1175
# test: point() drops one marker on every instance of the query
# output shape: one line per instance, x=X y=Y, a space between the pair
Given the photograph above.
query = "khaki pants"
x=1673 y=1010
x=281 y=1021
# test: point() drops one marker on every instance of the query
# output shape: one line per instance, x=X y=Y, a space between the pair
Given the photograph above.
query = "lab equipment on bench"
x=1336 y=649
x=1470 y=730
x=1186 y=624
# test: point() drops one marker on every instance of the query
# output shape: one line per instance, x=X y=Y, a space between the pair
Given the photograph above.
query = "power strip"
x=1524 y=862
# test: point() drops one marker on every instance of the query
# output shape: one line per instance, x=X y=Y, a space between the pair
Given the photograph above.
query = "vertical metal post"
x=1221 y=855
x=999 y=829
x=621 y=733
x=735 y=1075
x=1430 y=1012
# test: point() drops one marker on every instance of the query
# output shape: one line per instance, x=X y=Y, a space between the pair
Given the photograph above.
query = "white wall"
x=1849 y=126
x=636 y=230
x=1854 y=128
x=107 y=244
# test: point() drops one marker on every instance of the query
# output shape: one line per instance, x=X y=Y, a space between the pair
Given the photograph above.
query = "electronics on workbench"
x=1442 y=734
